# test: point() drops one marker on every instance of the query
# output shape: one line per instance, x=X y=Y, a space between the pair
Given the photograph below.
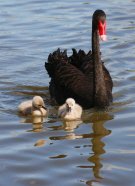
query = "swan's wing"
x=73 y=83
x=78 y=59
x=62 y=110
x=54 y=59
x=68 y=81
x=25 y=107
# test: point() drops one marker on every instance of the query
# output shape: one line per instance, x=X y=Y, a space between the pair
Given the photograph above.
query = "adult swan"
x=82 y=76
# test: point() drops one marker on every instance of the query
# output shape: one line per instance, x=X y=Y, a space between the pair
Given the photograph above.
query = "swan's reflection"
x=99 y=132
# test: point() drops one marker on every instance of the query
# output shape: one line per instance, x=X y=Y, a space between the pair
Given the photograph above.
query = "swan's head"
x=70 y=103
x=38 y=103
x=99 y=23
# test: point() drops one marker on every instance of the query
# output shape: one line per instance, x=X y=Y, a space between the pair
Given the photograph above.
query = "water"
x=100 y=149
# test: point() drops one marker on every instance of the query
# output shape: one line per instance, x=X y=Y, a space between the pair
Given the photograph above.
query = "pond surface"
x=100 y=149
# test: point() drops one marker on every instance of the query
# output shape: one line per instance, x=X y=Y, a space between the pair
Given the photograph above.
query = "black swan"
x=82 y=76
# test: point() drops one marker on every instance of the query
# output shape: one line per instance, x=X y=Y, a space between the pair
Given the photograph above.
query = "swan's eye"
x=103 y=19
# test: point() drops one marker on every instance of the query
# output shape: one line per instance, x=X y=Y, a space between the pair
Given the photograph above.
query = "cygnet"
x=34 y=107
x=70 y=110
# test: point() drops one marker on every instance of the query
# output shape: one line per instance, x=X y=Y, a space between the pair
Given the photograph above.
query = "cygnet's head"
x=70 y=103
x=38 y=102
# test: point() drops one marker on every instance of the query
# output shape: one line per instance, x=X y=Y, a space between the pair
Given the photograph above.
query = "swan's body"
x=34 y=107
x=70 y=110
x=82 y=76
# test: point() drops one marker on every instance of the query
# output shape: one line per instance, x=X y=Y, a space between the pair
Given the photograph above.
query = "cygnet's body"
x=34 y=107
x=70 y=110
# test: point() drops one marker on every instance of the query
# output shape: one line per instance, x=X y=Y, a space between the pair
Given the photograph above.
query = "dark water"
x=100 y=149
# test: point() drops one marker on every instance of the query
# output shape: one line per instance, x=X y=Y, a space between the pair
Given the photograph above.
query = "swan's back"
x=73 y=76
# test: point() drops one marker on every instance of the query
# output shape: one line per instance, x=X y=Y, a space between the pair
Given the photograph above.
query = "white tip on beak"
x=103 y=37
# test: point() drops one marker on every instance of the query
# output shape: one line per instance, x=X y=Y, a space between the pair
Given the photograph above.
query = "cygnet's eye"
x=39 y=105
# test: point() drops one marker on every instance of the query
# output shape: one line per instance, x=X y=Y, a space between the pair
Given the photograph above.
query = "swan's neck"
x=100 y=92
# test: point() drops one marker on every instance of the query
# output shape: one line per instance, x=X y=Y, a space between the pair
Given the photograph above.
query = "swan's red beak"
x=102 y=30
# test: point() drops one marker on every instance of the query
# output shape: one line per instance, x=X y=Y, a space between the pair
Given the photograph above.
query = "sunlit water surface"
x=100 y=149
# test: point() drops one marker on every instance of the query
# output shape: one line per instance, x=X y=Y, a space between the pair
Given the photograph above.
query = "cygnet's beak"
x=68 y=108
x=44 y=107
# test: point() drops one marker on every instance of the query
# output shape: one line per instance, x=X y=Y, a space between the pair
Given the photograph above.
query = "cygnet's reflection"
x=68 y=126
x=71 y=125
x=37 y=124
x=36 y=121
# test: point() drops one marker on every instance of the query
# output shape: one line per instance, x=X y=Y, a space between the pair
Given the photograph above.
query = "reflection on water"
x=59 y=156
x=37 y=127
x=66 y=125
x=99 y=132
x=36 y=121
x=98 y=119
x=69 y=127
x=40 y=143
